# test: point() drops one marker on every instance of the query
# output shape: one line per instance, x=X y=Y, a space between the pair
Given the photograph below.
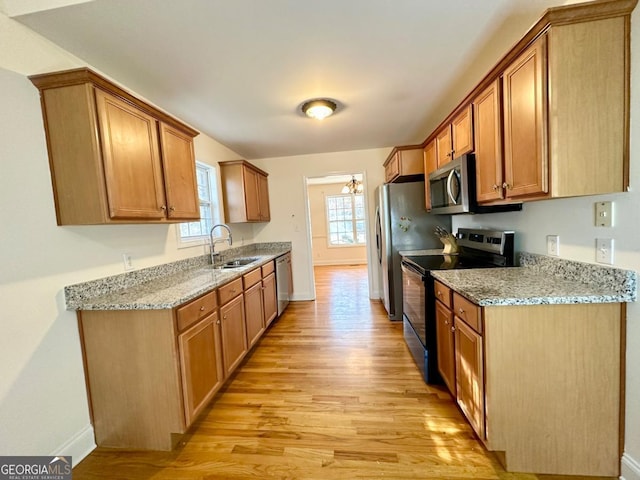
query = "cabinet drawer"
x=229 y=291
x=467 y=311
x=251 y=278
x=443 y=293
x=267 y=269
x=193 y=311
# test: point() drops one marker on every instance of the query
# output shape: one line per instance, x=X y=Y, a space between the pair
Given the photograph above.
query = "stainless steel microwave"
x=452 y=187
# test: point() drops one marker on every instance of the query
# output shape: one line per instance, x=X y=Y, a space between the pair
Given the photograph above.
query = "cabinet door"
x=132 y=169
x=430 y=165
x=254 y=313
x=270 y=299
x=392 y=170
x=525 y=107
x=470 y=375
x=445 y=346
x=201 y=365
x=444 y=146
x=179 y=167
x=263 y=198
x=234 y=333
x=251 y=195
x=462 y=132
x=488 y=143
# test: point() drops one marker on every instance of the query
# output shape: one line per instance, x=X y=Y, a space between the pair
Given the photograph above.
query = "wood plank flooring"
x=329 y=392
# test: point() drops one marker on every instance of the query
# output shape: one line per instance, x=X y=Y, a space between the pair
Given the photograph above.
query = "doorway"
x=337 y=220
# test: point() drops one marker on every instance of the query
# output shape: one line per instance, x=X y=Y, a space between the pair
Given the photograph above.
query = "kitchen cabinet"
x=445 y=346
x=430 y=165
x=455 y=138
x=114 y=158
x=487 y=126
x=200 y=365
x=404 y=164
x=233 y=331
x=525 y=119
x=245 y=192
x=269 y=293
x=254 y=306
x=149 y=373
x=469 y=374
x=513 y=363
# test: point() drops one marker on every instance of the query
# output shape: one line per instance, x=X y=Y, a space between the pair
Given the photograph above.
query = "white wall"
x=573 y=220
x=323 y=254
x=43 y=404
x=289 y=209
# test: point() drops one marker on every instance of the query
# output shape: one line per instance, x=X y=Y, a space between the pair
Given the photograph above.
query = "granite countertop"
x=165 y=286
x=542 y=280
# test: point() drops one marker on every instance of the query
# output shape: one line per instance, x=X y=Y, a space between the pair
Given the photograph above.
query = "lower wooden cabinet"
x=469 y=375
x=270 y=299
x=445 y=346
x=254 y=313
x=200 y=365
x=233 y=333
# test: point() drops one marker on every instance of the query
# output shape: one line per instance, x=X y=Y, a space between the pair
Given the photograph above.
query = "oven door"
x=413 y=300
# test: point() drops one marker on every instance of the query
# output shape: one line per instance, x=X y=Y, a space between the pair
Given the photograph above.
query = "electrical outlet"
x=126 y=260
x=553 y=245
x=604 y=250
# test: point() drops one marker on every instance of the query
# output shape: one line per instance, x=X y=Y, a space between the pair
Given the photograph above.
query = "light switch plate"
x=604 y=250
x=126 y=260
x=553 y=245
x=604 y=214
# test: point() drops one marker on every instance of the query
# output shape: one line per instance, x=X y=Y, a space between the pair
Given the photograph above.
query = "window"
x=345 y=218
x=196 y=233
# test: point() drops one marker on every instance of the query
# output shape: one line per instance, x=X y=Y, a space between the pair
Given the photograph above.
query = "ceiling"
x=238 y=70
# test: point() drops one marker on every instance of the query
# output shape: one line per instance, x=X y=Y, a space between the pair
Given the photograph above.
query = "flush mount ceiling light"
x=353 y=186
x=318 y=108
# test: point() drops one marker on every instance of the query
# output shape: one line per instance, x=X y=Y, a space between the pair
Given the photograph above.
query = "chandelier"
x=353 y=186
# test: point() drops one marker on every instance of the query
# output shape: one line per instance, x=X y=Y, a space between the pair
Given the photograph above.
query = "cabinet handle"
x=439 y=293
x=460 y=311
x=163 y=207
x=453 y=329
x=507 y=186
x=217 y=322
x=446 y=322
x=171 y=209
x=224 y=317
x=202 y=308
x=495 y=186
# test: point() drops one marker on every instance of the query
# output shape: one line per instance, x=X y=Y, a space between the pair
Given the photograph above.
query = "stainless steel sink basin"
x=238 y=262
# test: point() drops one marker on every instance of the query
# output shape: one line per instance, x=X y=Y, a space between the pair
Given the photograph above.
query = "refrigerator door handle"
x=378 y=235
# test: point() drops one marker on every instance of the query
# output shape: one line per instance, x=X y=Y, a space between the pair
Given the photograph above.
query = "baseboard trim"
x=78 y=446
x=630 y=469
x=302 y=297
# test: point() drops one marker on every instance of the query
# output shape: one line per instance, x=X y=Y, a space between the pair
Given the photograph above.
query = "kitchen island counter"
x=542 y=280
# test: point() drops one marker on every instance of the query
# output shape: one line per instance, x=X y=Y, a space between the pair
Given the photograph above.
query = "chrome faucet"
x=213 y=242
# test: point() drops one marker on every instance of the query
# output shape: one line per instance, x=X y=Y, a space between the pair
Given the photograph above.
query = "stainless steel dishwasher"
x=284 y=281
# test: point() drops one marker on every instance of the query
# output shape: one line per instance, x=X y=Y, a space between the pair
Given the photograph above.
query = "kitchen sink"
x=238 y=262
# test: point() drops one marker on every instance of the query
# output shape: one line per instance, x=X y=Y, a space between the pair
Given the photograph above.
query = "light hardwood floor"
x=330 y=392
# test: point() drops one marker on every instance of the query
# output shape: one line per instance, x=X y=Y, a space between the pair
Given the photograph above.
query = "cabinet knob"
x=439 y=293
x=172 y=209
x=224 y=317
x=163 y=207
x=446 y=322
x=495 y=186
x=202 y=308
x=217 y=322
x=453 y=329
x=460 y=311
x=506 y=185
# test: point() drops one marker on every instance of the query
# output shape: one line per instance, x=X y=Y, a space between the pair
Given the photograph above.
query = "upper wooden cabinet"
x=487 y=128
x=430 y=165
x=404 y=164
x=455 y=138
x=560 y=100
x=245 y=192
x=525 y=111
x=114 y=158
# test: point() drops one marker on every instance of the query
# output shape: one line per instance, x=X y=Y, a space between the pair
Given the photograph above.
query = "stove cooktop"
x=446 y=262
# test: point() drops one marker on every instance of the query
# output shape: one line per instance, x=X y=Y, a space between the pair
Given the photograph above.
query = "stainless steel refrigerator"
x=402 y=223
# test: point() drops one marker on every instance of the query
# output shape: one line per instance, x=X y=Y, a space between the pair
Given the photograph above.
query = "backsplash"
x=617 y=279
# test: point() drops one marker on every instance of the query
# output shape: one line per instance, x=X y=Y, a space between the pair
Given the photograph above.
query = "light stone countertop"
x=542 y=280
x=165 y=286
